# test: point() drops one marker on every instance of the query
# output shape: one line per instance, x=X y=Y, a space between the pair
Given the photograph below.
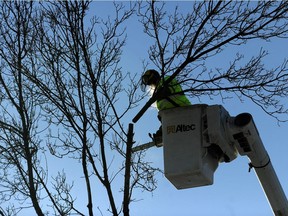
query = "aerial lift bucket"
x=190 y=135
x=187 y=162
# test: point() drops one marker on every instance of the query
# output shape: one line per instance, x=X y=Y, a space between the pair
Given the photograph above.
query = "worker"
x=169 y=97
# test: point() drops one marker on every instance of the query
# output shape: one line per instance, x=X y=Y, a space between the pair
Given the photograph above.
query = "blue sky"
x=235 y=192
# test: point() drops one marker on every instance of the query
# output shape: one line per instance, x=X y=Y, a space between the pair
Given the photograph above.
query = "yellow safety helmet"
x=149 y=77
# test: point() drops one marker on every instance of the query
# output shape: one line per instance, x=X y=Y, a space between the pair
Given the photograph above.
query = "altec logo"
x=180 y=128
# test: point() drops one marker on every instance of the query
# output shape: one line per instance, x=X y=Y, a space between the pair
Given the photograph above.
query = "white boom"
x=250 y=144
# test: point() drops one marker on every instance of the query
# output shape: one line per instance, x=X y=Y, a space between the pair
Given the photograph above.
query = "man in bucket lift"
x=171 y=96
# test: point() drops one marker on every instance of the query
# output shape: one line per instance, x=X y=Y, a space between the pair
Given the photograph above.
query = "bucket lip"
x=189 y=107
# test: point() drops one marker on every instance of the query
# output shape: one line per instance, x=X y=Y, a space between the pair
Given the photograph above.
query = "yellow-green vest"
x=178 y=99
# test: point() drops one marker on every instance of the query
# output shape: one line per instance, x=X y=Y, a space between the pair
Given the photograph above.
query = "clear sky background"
x=235 y=192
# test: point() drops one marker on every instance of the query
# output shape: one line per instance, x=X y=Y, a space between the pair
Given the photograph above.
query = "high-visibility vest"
x=173 y=99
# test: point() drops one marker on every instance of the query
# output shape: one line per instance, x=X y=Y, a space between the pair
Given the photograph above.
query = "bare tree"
x=24 y=174
x=60 y=70
x=80 y=76
x=60 y=78
x=20 y=170
x=184 y=42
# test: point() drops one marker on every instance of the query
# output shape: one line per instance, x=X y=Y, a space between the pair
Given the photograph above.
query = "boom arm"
x=248 y=142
